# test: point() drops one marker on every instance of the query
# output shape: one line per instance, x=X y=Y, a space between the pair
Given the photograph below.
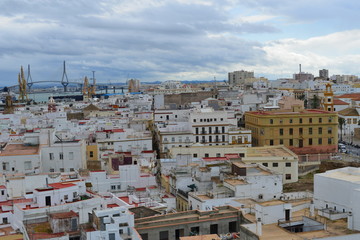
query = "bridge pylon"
x=64 y=80
x=29 y=81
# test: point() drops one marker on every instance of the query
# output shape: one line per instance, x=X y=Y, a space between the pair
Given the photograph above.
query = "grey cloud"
x=168 y=39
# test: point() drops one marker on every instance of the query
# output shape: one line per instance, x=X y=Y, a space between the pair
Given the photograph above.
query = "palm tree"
x=342 y=123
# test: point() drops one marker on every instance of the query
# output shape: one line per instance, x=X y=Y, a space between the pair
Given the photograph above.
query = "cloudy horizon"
x=157 y=40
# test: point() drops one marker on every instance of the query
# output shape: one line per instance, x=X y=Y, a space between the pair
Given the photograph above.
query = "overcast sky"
x=177 y=39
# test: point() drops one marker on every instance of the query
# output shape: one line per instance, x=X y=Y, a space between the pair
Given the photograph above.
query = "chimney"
x=258 y=227
x=350 y=221
x=312 y=209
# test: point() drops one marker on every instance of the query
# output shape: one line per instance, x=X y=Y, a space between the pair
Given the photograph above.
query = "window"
x=2 y=192
x=74 y=194
x=320 y=120
x=27 y=165
x=112 y=236
x=354 y=121
x=275 y=164
x=113 y=187
x=291 y=131
x=173 y=139
x=329 y=130
x=329 y=141
x=291 y=142
x=300 y=131
x=320 y=141
x=265 y=164
x=72 y=170
x=330 y=119
x=145 y=236
x=271 y=121
x=310 y=141
x=233 y=226
x=223 y=129
x=288 y=164
x=52 y=170
x=66 y=197
x=290 y=120
x=271 y=142
x=310 y=131
x=281 y=131
x=194 y=120
x=91 y=154
x=195 y=155
x=197 y=139
x=206 y=155
x=281 y=141
x=61 y=169
x=71 y=156
x=195 y=230
x=300 y=120
x=218 y=155
x=288 y=176
x=310 y=120
x=51 y=156
x=320 y=130
x=197 y=130
x=5 y=220
x=61 y=156
x=348 y=121
x=6 y=166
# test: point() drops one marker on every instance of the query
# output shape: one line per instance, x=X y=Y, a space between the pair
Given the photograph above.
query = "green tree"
x=342 y=123
x=315 y=102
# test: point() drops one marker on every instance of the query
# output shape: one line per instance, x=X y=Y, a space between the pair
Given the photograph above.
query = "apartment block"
x=304 y=132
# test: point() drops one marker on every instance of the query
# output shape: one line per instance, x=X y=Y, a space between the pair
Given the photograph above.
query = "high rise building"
x=238 y=77
x=324 y=73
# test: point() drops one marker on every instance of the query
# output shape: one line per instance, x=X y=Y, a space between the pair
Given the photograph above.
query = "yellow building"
x=304 y=132
x=92 y=158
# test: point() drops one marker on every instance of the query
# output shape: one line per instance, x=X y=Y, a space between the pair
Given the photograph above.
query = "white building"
x=113 y=224
x=212 y=127
x=336 y=195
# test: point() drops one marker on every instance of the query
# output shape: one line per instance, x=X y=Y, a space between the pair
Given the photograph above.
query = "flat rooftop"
x=271 y=203
x=235 y=182
x=276 y=151
x=304 y=112
x=19 y=149
x=333 y=228
x=202 y=237
x=349 y=174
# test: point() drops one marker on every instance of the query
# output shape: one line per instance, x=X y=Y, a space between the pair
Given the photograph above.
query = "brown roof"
x=19 y=149
x=350 y=95
x=340 y=102
x=348 y=112
x=63 y=215
x=91 y=107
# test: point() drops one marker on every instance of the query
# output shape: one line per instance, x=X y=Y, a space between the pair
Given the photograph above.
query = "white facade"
x=63 y=156
x=211 y=127
x=339 y=190
x=130 y=176
x=118 y=223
